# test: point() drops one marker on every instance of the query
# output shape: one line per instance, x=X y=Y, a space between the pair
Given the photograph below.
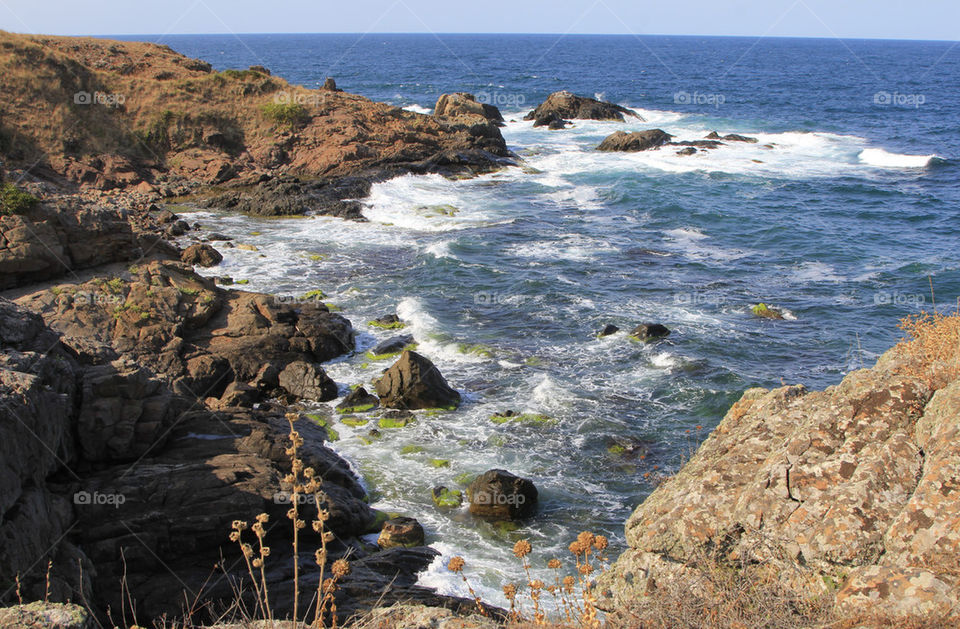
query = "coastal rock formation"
x=650 y=331
x=464 y=104
x=568 y=105
x=198 y=337
x=851 y=486
x=402 y=532
x=236 y=128
x=414 y=382
x=500 y=495
x=58 y=237
x=635 y=141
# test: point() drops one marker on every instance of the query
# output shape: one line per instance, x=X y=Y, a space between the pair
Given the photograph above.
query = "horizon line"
x=515 y=34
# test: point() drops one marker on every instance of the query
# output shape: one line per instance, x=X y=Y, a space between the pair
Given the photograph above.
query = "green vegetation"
x=387 y=326
x=191 y=292
x=356 y=422
x=359 y=408
x=332 y=435
x=447 y=498
x=464 y=479
x=395 y=422
x=483 y=351
x=522 y=418
x=389 y=355
x=438 y=463
x=288 y=115
x=13 y=200
x=411 y=449
x=315 y=295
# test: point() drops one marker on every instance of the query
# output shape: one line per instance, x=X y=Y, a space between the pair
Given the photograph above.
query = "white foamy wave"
x=429 y=203
x=440 y=249
x=883 y=159
x=663 y=360
x=417 y=109
x=816 y=272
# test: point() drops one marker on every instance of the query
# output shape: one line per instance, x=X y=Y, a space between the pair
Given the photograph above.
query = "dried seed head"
x=536 y=584
x=521 y=549
x=340 y=568
x=239 y=525
x=235 y=536
x=510 y=591
x=263 y=518
x=568 y=583
x=554 y=564
x=456 y=564
x=258 y=563
x=320 y=556
x=600 y=542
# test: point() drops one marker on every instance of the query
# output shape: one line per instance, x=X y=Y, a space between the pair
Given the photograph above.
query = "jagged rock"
x=552 y=120
x=401 y=532
x=464 y=104
x=202 y=255
x=500 y=495
x=687 y=151
x=392 y=345
x=422 y=616
x=567 y=105
x=635 y=141
x=307 y=381
x=358 y=401
x=848 y=485
x=414 y=382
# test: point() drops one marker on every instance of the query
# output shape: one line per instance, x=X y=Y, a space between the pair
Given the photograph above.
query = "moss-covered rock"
x=447 y=498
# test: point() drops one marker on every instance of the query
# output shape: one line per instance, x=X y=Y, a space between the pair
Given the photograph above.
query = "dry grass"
x=933 y=346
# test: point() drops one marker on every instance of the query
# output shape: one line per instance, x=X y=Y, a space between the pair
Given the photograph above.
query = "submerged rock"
x=414 y=382
x=500 y=495
x=766 y=312
x=635 y=141
x=568 y=105
x=650 y=331
x=607 y=330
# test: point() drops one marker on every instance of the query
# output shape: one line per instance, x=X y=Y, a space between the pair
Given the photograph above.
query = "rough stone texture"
x=635 y=141
x=855 y=485
x=464 y=104
x=500 y=495
x=307 y=381
x=185 y=329
x=201 y=255
x=52 y=240
x=405 y=532
x=40 y=615
x=567 y=105
x=413 y=382
x=403 y=616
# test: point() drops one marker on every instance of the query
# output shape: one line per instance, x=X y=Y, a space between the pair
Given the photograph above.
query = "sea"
x=845 y=216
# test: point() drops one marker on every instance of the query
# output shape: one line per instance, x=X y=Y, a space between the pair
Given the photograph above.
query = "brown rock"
x=567 y=105
x=635 y=141
x=414 y=382
x=307 y=381
x=401 y=532
x=500 y=495
x=202 y=255
x=464 y=104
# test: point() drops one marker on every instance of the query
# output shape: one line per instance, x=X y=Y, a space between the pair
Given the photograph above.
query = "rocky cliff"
x=848 y=495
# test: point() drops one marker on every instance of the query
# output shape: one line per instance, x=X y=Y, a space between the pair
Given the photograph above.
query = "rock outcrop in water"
x=635 y=141
x=850 y=492
x=566 y=105
x=464 y=104
x=414 y=382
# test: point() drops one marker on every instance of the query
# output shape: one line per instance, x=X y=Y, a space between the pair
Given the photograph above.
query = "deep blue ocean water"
x=842 y=215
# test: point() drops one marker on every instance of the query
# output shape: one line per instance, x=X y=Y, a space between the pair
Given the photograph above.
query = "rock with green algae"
x=438 y=463
x=387 y=322
x=521 y=418
x=354 y=422
x=766 y=312
x=447 y=498
x=40 y=615
x=323 y=422
x=401 y=532
x=358 y=401
x=411 y=449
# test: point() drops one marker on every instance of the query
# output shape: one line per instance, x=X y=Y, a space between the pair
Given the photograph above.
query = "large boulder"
x=464 y=104
x=635 y=141
x=848 y=486
x=500 y=495
x=201 y=255
x=568 y=105
x=307 y=381
x=414 y=382
x=402 y=532
x=650 y=331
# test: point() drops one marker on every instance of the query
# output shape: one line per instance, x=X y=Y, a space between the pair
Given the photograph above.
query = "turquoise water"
x=841 y=215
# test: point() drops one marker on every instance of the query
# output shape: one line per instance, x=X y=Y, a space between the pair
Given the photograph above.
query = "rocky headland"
x=146 y=408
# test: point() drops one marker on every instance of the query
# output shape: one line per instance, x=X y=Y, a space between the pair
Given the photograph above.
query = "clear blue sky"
x=900 y=19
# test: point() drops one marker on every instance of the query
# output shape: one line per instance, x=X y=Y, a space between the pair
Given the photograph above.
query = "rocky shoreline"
x=145 y=407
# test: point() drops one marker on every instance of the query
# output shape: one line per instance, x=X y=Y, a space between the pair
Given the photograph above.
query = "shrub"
x=933 y=346
x=13 y=200
x=290 y=115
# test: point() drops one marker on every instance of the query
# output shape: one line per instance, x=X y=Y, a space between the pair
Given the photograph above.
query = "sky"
x=884 y=19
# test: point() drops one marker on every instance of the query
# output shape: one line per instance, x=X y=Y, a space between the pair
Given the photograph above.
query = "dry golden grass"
x=932 y=346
